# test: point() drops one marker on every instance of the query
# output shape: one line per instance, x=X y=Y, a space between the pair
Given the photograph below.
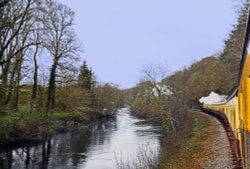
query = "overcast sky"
x=119 y=37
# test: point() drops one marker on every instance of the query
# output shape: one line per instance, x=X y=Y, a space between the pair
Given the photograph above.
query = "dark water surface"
x=98 y=146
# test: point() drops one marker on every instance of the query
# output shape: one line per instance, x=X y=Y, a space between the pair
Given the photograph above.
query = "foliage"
x=66 y=98
x=187 y=149
x=17 y=127
x=86 y=77
x=108 y=98
x=231 y=54
x=156 y=99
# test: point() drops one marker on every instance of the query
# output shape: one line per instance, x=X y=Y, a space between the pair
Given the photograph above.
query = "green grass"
x=23 y=115
x=23 y=126
x=60 y=115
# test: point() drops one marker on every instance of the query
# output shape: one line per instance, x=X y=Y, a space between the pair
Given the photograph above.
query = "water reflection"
x=94 y=147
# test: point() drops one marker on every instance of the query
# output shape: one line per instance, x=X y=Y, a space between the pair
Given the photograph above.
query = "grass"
x=25 y=114
x=194 y=149
x=60 y=115
x=23 y=126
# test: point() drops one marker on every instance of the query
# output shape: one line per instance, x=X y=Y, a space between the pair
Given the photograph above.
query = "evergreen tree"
x=231 y=54
x=86 y=77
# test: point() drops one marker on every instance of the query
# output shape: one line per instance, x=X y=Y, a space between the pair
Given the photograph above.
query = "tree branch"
x=19 y=50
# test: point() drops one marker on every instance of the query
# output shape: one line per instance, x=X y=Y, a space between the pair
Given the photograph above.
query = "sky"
x=119 y=37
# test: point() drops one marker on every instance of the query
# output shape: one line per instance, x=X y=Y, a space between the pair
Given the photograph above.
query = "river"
x=105 y=144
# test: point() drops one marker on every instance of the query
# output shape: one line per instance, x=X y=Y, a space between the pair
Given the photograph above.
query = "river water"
x=104 y=145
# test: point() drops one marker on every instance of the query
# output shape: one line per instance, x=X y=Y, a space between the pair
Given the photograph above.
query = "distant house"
x=163 y=90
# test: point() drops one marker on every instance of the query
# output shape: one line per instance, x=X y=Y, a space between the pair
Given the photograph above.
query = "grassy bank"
x=191 y=147
x=24 y=127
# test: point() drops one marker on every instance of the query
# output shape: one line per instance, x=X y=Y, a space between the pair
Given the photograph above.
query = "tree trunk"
x=11 y=84
x=3 y=86
x=34 y=87
x=51 y=89
x=18 y=79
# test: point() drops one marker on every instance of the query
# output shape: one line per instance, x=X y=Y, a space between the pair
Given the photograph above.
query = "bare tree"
x=40 y=29
x=14 y=41
x=19 y=10
x=155 y=74
x=60 y=42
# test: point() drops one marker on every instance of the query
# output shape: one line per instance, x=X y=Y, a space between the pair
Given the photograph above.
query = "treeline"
x=42 y=90
x=38 y=54
x=219 y=73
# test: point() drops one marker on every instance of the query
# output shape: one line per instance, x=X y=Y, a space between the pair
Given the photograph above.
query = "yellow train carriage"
x=237 y=112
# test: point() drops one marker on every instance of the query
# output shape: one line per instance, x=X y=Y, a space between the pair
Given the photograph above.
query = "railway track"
x=222 y=153
x=234 y=144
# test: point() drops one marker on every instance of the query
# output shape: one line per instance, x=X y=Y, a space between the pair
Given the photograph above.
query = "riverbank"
x=23 y=128
x=97 y=146
x=199 y=147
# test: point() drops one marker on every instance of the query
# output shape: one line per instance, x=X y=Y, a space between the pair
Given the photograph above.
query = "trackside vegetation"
x=191 y=146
